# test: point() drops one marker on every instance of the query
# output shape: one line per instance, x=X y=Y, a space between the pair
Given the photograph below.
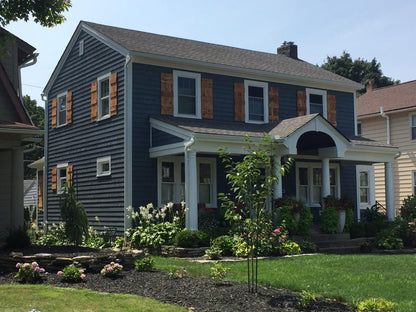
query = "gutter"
x=384 y=115
x=45 y=164
x=34 y=59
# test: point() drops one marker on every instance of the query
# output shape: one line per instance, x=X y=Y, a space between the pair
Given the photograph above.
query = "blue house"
x=136 y=118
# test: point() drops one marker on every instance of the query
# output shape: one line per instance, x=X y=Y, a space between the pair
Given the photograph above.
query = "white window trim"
x=81 y=48
x=63 y=94
x=265 y=86
x=410 y=127
x=318 y=92
x=59 y=186
x=101 y=161
x=310 y=167
x=371 y=196
x=99 y=105
x=177 y=160
x=197 y=77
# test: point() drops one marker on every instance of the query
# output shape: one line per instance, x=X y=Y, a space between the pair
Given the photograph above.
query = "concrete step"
x=356 y=242
x=340 y=250
x=329 y=237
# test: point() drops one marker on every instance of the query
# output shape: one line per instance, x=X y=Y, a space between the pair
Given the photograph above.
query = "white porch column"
x=191 y=191
x=17 y=188
x=277 y=188
x=326 y=183
x=388 y=168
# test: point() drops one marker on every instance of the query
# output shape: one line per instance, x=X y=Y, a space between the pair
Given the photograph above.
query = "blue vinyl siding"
x=349 y=183
x=160 y=138
x=82 y=142
x=345 y=112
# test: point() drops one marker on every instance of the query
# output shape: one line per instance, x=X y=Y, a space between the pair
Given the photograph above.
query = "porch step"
x=337 y=243
x=344 y=250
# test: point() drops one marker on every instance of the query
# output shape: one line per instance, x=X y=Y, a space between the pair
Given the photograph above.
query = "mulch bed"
x=193 y=293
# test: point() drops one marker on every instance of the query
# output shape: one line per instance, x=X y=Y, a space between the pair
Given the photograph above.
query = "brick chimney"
x=289 y=49
x=370 y=86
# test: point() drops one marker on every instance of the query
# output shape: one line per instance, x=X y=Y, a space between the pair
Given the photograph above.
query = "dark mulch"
x=198 y=293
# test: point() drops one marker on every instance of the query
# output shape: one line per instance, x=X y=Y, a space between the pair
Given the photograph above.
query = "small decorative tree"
x=74 y=216
x=251 y=181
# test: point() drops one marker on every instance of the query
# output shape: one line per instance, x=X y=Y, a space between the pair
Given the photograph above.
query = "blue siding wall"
x=349 y=182
x=345 y=112
x=82 y=142
x=160 y=138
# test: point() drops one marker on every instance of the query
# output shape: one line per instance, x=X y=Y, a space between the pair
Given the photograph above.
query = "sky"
x=367 y=29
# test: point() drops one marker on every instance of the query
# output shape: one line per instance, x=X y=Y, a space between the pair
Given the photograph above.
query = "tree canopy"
x=47 y=13
x=359 y=70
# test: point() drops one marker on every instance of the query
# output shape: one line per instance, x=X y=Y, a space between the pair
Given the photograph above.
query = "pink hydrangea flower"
x=102 y=271
x=82 y=276
x=42 y=270
x=110 y=269
x=60 y=273
x=18 y=265
x=36 y=269
x=26 y=265
x=411 y=223
x=277 y=231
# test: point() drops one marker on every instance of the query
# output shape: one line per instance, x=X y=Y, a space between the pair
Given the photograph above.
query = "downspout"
x=34 y=59
x=384 y=115
x=128 y=141
x=45 y=164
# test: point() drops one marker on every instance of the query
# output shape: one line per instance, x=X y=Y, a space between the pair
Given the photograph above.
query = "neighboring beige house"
x=16 y=130
x=388 y=115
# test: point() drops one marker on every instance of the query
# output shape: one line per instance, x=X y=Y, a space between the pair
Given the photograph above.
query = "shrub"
x=187 y=238
x=177 y=272
x=388 y=239
x=408 y=209
x=111 y=269
x=376 y=305
x=17 y=238
x=152 y=235
x=71 y=274
x=307 y=246
x=53 y=235
x=214 y=253
x=240 y=249
x=218 y=272
x=305 y=222
x=285 y=216
x=349 y=220
x=306 y=299
x=289 y=248
x=29 y=272
x=204 y=238
x=329 y=220
x=224 y=243
x=144 y=265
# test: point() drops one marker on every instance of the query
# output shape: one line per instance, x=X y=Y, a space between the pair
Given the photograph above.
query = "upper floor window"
x=187 y=94
x=256 y=98
x=104 y=166
x=316 y=102
x=104 y=97
x=62 y=109
x=413 y=127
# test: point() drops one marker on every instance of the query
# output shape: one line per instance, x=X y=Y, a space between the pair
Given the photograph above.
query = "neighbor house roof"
x=391 y=98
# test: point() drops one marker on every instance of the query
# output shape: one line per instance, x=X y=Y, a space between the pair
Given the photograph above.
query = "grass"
x=350 y=278
x=16 y=298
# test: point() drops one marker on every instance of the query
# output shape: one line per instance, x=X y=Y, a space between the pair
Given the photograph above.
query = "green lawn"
x=350 y=278
x=18 y=298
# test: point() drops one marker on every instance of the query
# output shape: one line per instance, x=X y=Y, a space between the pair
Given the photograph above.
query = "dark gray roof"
x=208 y=53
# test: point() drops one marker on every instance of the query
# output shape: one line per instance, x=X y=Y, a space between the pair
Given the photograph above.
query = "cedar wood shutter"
x=273 y=104
x=54 y=176
x=331 y=103
x=54 y=108
x=206 y=99
x=239 y=102
x=40 y=191
x=301 y=103
x=94 y=101
x=69 y=107
x=166 y=94
x=69 y=175
x=113 y=94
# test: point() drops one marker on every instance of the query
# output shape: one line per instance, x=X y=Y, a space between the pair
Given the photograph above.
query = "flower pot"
x=341 y=221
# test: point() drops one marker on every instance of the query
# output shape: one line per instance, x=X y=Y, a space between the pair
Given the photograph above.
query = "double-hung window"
x=104 y=97
x=62 y=177
x=316 y=102
x=187 y=94
x=61 y=109
x=364 y=188
x=256 y=98
x=413 y=127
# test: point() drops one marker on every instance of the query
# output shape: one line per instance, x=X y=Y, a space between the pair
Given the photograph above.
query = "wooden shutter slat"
x=94 y=101
x=207 y=110
x=54 y=111
x=113 y=94
x=69 y=175
x=166 y=94
x=273 y=104
x=239 y=102
x=331 y=102
x=301 y=102
x=69 y=107
x=54 y=178
x=40 y=191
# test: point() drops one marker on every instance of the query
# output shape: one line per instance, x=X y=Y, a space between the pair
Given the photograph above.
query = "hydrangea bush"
x=111 y=269
x=71 y=274
x=29 y=272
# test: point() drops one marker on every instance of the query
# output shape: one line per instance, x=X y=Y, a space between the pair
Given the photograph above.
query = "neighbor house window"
x=187 y=94
x=316 y=102
x=62 y=177
x=364 y=187
x=413 y=127
x=61 y=109
x=104 y=97
x=104 y=166
x=256 y=98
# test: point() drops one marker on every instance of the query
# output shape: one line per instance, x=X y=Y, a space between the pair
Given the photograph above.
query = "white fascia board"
x=81 y=27
x=372 y=154
x=167 y=150
x=403 y=110
x=253 y=74
x=170 y=129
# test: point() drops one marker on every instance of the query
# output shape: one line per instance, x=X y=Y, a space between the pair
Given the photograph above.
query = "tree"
x=35 y=150
x=359 y=70
x=47 y=13
x=251 y=181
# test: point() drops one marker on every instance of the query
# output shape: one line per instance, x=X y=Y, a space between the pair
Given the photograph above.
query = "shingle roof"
x=390 y=98
x=166 y=46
